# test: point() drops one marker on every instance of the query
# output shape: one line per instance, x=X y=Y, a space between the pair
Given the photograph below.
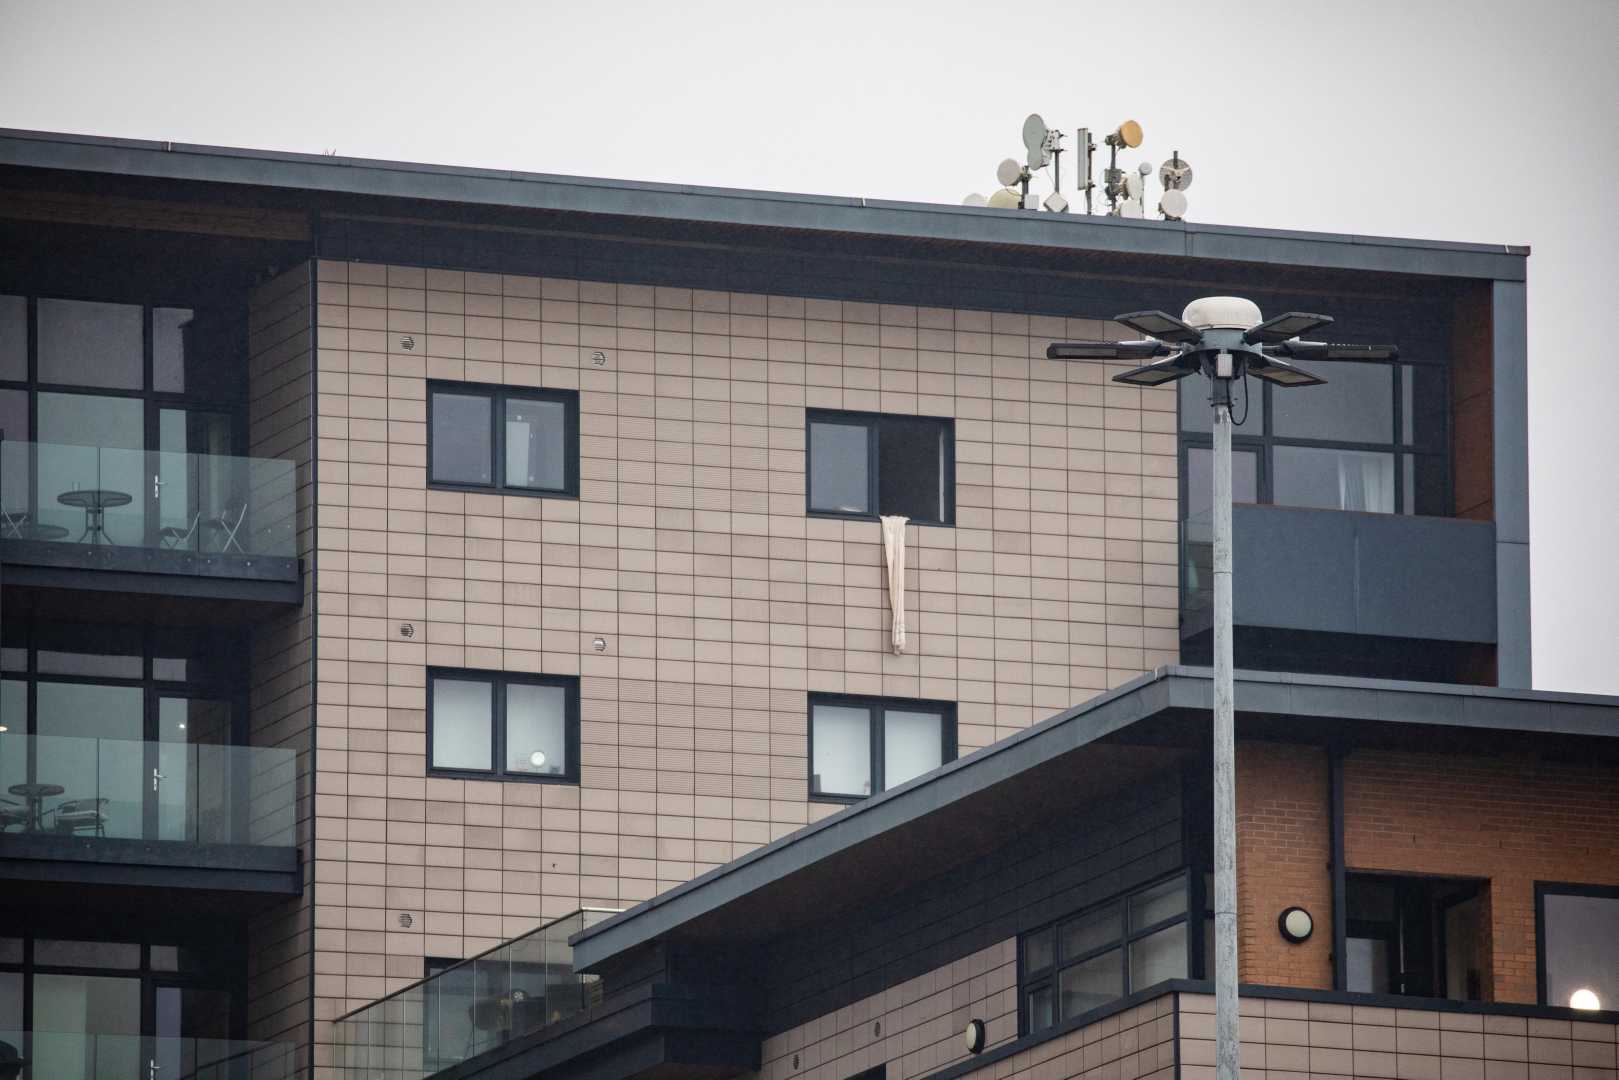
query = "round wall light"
x=1296 y=924
x=1584 y=998
x=537 y=759
x=974 y=1036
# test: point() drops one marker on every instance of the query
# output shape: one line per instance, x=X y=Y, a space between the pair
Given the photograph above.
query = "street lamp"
x=1223 y=338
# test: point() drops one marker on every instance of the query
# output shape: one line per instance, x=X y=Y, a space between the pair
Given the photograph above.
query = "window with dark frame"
x=863 y=465
x=1577 y=939
x=502 y=725
x=860 y=746
x=1084 y=961
x=1375 y=438
x=509 y=439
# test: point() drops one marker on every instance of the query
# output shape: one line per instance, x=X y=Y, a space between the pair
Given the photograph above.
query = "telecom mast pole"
x=1225 y=755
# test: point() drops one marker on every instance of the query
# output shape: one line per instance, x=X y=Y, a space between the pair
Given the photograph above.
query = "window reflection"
x=1333 y=479
x=89 y=343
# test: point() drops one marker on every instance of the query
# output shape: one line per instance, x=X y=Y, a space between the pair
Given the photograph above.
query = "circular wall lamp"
x=974 y=1036
x=1296 y=924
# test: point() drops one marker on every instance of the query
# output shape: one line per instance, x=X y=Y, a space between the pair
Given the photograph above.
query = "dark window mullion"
x=875 y=730
x=873 y=459
x=497 y=438
x=497 y=739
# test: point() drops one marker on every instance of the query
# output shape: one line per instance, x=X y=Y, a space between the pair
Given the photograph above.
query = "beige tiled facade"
x=1296 y=1040
x=689 y=551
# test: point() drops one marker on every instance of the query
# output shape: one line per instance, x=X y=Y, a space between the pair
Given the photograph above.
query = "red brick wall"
x=1515 y=821
x=1284 y=841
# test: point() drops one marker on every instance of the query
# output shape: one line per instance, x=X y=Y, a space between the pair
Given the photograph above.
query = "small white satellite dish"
x=1034 y=140
x=975 y=199
x=1175 y=174
x=1133 y=186
x=1144 y=169
x=1056 y=203
x=1173 y=204
x=1004 y=199
x=1130 y=208
x=1009 y=172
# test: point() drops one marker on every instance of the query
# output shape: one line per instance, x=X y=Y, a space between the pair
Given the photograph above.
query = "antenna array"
x=1124 y=188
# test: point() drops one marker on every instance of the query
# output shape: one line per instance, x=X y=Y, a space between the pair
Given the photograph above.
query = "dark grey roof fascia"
x=1174 y=687
x=728 y=206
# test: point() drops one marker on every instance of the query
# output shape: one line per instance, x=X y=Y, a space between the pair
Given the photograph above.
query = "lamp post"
x=1224 y=339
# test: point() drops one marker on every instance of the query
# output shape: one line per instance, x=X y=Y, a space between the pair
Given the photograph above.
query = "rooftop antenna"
x=1010 y=173
x=1044 y=147
x=1127 y=134
x=1085 y=148
x=1176 y=176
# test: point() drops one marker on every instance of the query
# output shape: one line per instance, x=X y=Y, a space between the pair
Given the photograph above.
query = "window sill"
x=842 y=800
x=482 y=489
x=504 y=778
x=832 y=515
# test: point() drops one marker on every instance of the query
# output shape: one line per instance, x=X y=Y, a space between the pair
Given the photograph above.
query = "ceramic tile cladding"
x=1298 y=1040
x=689 y=551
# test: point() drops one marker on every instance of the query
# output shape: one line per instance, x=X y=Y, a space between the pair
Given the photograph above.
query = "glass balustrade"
x=200 y=504
x=199 y=793
x=79 y=1055
x=510 y=991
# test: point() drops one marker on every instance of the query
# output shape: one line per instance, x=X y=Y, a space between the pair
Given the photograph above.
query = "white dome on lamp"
x=1221 y=313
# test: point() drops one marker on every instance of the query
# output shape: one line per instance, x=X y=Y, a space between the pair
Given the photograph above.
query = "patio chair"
x=229 y=521
x=80 y=815
x=174 y=537
x=13 y=814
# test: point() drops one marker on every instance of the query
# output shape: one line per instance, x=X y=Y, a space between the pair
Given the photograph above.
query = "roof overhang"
x=1159 y=710
x=333 y=175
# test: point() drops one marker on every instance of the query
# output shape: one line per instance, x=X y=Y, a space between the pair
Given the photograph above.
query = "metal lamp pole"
x=1222 y=338
x=1226 y=1037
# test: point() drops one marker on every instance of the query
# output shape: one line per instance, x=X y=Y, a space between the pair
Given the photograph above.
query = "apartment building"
x=406 y=564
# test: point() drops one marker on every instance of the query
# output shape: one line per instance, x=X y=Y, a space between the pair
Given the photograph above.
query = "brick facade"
x=1284 y=845
x=1514 y=820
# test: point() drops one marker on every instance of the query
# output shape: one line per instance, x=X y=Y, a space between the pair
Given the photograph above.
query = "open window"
x=1416 y=936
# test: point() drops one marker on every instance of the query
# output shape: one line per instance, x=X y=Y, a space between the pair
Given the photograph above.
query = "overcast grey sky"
x=1483 y=121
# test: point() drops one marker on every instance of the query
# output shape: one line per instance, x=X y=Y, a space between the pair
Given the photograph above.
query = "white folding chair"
x=230 y=523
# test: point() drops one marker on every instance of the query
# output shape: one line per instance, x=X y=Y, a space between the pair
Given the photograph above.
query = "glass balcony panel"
x=62 y=785
x=471 y=1008
x=122 y=496
x=492 y=1001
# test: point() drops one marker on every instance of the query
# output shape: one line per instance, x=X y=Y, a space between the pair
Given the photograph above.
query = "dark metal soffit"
x=771 y=210
x=1320 y=698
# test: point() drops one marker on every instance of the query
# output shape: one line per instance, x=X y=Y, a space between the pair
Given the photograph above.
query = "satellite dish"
x=1175 y=174
x=1009 y=172
x=975 y=199
x=1133 y=186
x=1173 y=204
x=1034 y=140
x=1129 y=134
x=1144 y=169
x=1005 y=199
x=1130 y=208
x=1056 y=203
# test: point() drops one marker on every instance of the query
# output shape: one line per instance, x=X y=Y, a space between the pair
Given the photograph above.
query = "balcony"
x=160 y=814
x=478 y=1005
x=1345 y=588
x=74 y=1055
x=156 y=523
